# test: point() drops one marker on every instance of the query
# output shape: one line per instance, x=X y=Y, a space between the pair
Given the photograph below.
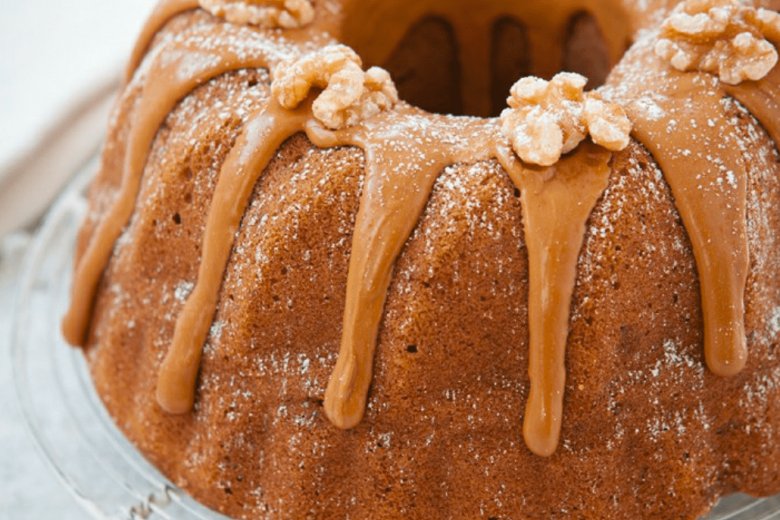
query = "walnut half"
x=723 y=37
x=349 y=94
x=268 y=14
x=546 y=119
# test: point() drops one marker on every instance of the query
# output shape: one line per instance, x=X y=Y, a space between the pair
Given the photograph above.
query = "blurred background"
x=59 y=62
x=54 y=53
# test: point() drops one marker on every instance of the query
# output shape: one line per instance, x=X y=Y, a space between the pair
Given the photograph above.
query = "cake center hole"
x=444 y=64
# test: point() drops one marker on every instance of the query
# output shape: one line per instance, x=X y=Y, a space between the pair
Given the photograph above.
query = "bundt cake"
x=329 y=270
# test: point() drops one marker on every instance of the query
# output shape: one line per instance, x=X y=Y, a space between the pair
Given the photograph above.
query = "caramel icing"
x=547 y=23
x=254 y=149
x=556 y=202
x=173 y=73
x=698 y=151
x=163 y=12
x=762 y=99
x=405 y=151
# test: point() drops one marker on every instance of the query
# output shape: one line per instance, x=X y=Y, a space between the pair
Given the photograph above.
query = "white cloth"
x=53 y=53
x=30 y=490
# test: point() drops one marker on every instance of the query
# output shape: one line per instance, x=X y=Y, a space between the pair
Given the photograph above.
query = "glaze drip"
x=263 y=136
x=174 y=72
x=698 y=151
x=556 y=202
x=405 y=152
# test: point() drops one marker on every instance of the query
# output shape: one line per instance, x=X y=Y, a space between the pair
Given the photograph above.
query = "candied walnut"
x=723 y=37
x=349 y=94
x=607 y=123
x=546 y=119
x=268 y=14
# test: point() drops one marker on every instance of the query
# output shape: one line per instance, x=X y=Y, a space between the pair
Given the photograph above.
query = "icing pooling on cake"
x=370 y=274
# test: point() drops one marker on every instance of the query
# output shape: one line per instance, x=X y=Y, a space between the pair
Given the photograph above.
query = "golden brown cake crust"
x=649 y=432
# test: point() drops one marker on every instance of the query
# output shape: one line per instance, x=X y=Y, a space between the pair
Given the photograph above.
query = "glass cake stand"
x=72 y=430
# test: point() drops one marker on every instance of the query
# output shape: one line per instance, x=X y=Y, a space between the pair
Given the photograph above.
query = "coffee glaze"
x=163 y=12
x=405 y=151
x=689 y=135
x=256 y=146
x=556 y=202
x=762 y=99
x=175 y=71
